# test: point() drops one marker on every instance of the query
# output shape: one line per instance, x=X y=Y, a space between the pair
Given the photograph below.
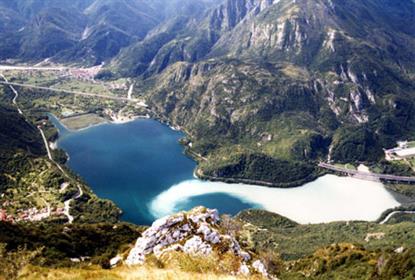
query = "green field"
x=82 y=121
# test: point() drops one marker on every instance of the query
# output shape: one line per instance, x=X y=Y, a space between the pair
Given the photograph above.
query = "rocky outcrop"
x=232 y=12
x=196 y=233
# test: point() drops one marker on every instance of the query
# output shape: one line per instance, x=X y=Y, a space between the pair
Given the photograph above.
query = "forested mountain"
x=263 y=90
x=268 y=81
x=283 y=80
x=87 y=32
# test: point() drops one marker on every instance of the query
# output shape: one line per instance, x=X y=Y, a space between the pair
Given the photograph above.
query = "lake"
x=141 y=167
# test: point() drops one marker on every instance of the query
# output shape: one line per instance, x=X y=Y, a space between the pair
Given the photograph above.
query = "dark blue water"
x=132 y=163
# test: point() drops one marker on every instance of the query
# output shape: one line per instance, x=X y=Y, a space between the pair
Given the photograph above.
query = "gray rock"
x=260 y=267
x=244 y=270
x=198 y=235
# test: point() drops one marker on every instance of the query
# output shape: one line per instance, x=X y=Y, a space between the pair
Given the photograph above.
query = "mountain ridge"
x=275 y=81
x=325 y=68
x=262 y=89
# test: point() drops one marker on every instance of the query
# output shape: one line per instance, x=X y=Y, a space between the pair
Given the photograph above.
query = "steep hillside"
x=49 y=32
x=265 y=82
x=281 y=84
x=17 y=134
x=198 y=244
x=33 y=187
x=110 y=26
x=188 y=38
x=262 y=89
x=86 y=32
x=233 y=110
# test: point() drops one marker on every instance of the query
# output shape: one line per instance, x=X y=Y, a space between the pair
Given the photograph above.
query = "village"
x=30 y=215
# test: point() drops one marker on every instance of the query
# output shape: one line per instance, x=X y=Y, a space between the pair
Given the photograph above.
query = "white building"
x=401 y=152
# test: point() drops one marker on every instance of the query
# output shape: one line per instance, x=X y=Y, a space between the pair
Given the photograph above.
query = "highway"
x=366 y=175
x=137 y=101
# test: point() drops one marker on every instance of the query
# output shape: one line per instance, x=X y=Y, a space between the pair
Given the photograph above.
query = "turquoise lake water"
x=141 y=167
x=133 y=163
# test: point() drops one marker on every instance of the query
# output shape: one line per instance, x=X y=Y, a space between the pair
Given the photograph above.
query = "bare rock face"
x=196 y=233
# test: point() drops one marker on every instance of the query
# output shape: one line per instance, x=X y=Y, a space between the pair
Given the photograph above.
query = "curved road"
x=16 y=94
x=388 y=217
x=45 y=141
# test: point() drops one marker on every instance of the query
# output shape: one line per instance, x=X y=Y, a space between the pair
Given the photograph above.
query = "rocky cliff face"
x=185 y=38
x=293 y=71
x=279 y=79
x=196 y=233
x=232 y=12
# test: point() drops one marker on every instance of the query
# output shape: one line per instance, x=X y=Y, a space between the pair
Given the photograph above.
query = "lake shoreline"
x=197 y=172
x=329 y=199
x=318 y=173
x=233 y=183
x=294 y=184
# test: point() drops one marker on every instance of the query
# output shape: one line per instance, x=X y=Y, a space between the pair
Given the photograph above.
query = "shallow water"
x=329 y=198
x=141 y=167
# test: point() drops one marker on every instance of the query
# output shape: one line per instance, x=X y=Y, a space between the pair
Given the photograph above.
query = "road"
x=103 y=96
x=45 y=141
x=366 y=175
x=130 y=92
x=9 y=67
x=16 y=94
x=67 y=203
x=198 y=173
x=66 y=210
x=50 y=157
x=388 y=217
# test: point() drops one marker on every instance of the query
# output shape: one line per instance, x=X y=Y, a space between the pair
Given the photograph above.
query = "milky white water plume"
x=329 y=198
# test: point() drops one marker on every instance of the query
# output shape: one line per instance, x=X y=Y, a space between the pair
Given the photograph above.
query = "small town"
x=31 y=215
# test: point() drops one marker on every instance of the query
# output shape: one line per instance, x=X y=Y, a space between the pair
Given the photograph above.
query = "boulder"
x=115 y=261
x=260 y=267
x=196 y=233
x=196 y=246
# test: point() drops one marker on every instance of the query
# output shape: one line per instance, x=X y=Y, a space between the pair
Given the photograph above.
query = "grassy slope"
x=137 y=273
x=231 y=106
x=29 y=179
x=335 y=250
x=290 y=251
